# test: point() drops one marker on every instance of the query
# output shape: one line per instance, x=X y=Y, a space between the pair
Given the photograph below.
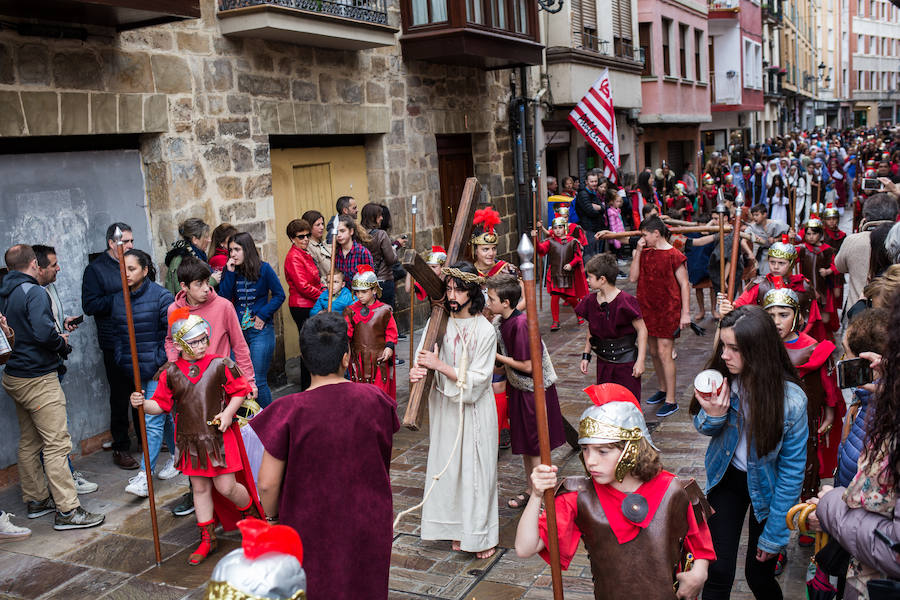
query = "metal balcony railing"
x=724 y=4
x=366 y=11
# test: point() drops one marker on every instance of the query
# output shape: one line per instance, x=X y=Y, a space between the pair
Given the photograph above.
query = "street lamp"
x=551 y=6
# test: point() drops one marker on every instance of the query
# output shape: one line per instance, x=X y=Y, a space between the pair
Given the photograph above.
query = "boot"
x=250 y=511
x=207 y=545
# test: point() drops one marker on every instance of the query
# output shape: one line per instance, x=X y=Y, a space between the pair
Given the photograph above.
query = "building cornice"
x=561 y=54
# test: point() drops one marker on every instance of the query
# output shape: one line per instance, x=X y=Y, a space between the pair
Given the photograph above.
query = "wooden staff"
x=722 y=211
x=695 y=229
x=735 y=249
x=793 y=197
x=526 y=252
x=412 y=289
x=819 y=197
x=537 y=236
x=334 y=228
x=129 y=318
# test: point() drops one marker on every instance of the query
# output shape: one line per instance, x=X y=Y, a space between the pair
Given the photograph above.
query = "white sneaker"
x=82 y=485
x=168 y=471
x=137 y=485
x=10 y=532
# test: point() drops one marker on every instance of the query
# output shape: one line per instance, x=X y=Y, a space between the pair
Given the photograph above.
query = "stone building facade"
x=206 y=112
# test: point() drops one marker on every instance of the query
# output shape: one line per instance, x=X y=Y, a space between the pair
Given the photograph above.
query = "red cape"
x=226 y=512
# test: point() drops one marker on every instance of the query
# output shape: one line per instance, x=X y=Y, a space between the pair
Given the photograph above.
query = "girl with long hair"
x=757 y=452
x=253 y=287
x=382 y=250
x=219 y=245
x=351 y=248
x=318 y=248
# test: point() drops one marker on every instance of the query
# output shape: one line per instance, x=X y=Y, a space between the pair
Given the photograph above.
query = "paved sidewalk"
x=115 y=561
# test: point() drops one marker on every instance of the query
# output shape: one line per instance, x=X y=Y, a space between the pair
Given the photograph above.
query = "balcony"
x=118 y=14
x=724 y=8
x=488 y=34
x=771 y=12
x=341 y=24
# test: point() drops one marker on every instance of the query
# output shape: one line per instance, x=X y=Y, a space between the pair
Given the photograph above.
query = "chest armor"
x=810 y=263
x=195 y=404
x=653 y=555
x=559 y=255
x=367 y=345
x=805 y=295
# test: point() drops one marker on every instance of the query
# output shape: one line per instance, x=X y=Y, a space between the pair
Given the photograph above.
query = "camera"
x=870 y=184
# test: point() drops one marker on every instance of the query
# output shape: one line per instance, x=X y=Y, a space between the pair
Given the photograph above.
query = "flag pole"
x=526 y=253
x=412 y=289
x=135 y=369
x=334 y=228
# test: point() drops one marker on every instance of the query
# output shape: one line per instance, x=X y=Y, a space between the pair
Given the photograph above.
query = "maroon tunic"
x=613 y=322
x=658 y=291
x=336 y=442
x=522 y=421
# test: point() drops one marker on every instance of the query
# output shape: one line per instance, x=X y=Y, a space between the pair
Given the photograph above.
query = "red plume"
x=487 y=218
x=603 y=393
x=178 y=314
x=360 y=269
x=784 y=239
x=829 y=205
x=260 y=538
x=437 y=249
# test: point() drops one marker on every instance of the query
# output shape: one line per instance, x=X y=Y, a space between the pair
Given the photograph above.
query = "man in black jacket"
x=591 y=211
x=100 y=284
x=32 y=381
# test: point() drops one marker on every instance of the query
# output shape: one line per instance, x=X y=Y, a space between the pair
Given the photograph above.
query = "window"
x=683 y=50
x=428 y=11
x=698 y=43
x=644 y=39
x=859 y=80
x=473 y=12
x=584 y=24
x=860 y=43
x=666 y=34
x=623 y=44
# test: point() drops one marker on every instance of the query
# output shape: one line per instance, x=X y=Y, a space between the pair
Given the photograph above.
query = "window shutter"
x=589 y=13
x=622 y=19
x=576 y=24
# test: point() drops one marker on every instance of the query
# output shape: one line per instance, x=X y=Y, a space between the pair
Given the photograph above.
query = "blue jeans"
x=388 y=295
x=159 y=428
x=262 y=347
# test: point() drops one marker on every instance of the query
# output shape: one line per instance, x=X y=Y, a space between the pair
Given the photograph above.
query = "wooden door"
x=455 y=164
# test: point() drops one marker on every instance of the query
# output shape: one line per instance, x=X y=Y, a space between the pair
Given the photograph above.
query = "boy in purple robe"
x=325 y=470
x=504 y=293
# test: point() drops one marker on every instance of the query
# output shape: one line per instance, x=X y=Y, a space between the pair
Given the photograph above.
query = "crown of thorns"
x=462 y=275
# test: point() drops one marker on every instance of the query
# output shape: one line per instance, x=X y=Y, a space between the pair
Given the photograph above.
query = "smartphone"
x=870 y=184
x=854 y=372
x=77 y=320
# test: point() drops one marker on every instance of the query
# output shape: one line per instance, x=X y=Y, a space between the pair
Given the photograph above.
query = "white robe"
x=463 y=504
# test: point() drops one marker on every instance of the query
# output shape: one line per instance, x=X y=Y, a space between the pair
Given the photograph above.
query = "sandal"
x=518 y=501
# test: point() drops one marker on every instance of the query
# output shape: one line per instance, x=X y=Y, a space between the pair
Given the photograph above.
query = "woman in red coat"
x=304 y=284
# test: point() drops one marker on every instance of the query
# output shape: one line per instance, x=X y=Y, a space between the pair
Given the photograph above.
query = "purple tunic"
x=336 y=442
x=613 y=321
x=522 y=420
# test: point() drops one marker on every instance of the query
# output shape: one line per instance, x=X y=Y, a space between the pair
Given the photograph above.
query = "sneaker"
x=137 y=485
x=78 y=518
x=505 y=441
x=779 y=563
x=168 y=471
x=39 y=509
x=554 y=326
x=667 y=409
x=10 y=532
x=82 y=485
x=185 y=505
x=400 y=361
x=656 y=398
x=107 y=445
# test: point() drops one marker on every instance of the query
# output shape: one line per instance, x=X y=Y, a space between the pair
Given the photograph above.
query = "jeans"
x=300 y=315
x=262 y=347
x=120 y=388
x=731 y=499
x=159 y=427
x=388 y=293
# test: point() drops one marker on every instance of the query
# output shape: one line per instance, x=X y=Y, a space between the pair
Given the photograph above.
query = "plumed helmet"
x=746 y=169
x=437 y=256
x=563 y=210
x=365 y=279
x=781 y=295
x=870 y=163
x=680 y=187
x=814 y=222
x=783 y=250
x=871 y=174
x=708 y=179
x=267 y=566
x=560 y=219
x=487 y=218
x=185 y=326
x=615 y=416
x=830 y=211
x=729 y=178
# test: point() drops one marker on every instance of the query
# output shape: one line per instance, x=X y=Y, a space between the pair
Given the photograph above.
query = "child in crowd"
x=206 y=391
x=504 y=293
x=708 y=197
x=343 y=297
x=616 y=224
x=663 y=292
x=680 y=203
x=628 y=510
x=834 y=237
x=435 y=260
x=765 y=233
x=373 y=334
x=616 y=330
x=565 y=275
x=816 y=260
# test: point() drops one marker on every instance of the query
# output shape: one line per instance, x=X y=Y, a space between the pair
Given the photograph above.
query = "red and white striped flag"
x=595 y=118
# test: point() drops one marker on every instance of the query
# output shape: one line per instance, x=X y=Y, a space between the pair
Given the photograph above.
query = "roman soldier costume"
x=569 y=284
x=574 y=229
x=833 y=237
x=371 y=329
x=708 y=197
x=729 y=190
x=809 y=311
x=815 y=367
x=680 y=202
x=812 y=258
x=655 y=531
x=437 y=256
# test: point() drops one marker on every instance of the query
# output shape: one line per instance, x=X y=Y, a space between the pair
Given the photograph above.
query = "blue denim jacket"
x=774 y=481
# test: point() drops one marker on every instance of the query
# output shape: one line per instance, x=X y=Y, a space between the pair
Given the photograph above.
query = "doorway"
x=455 y=164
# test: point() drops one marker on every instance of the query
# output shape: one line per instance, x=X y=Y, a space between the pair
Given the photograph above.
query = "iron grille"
x=367 y=11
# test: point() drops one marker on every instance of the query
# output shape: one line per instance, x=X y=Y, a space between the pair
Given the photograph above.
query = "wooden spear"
x=142 y=429
x=537 y=236
x=722 y=211
x=412 y=290
x=735 y=247
x=334 y=228
x=793 y=206
x=694 y=229
x=526 y=253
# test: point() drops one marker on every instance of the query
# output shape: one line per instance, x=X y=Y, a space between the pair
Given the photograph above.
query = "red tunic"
x=698 y=539
x=829 y=442
x=390 y=337
x=828 y=304
x=658 y=291
x=834 y=238
x=235 y=386
x=679 y=202
x=579 y=288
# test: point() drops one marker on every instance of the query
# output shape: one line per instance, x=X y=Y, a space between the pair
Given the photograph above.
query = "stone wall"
x=205 y=106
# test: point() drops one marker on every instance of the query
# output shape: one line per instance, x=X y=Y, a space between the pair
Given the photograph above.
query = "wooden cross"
x=434 y=287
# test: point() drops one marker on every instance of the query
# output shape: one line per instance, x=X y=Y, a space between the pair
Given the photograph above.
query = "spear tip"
x=117 y=236
x=525 y=249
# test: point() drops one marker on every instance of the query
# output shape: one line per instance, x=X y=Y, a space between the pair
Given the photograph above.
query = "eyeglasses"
x=302 y=236
x=204 y=341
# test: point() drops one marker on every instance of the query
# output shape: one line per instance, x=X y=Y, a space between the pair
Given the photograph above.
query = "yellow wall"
x=312 y=179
